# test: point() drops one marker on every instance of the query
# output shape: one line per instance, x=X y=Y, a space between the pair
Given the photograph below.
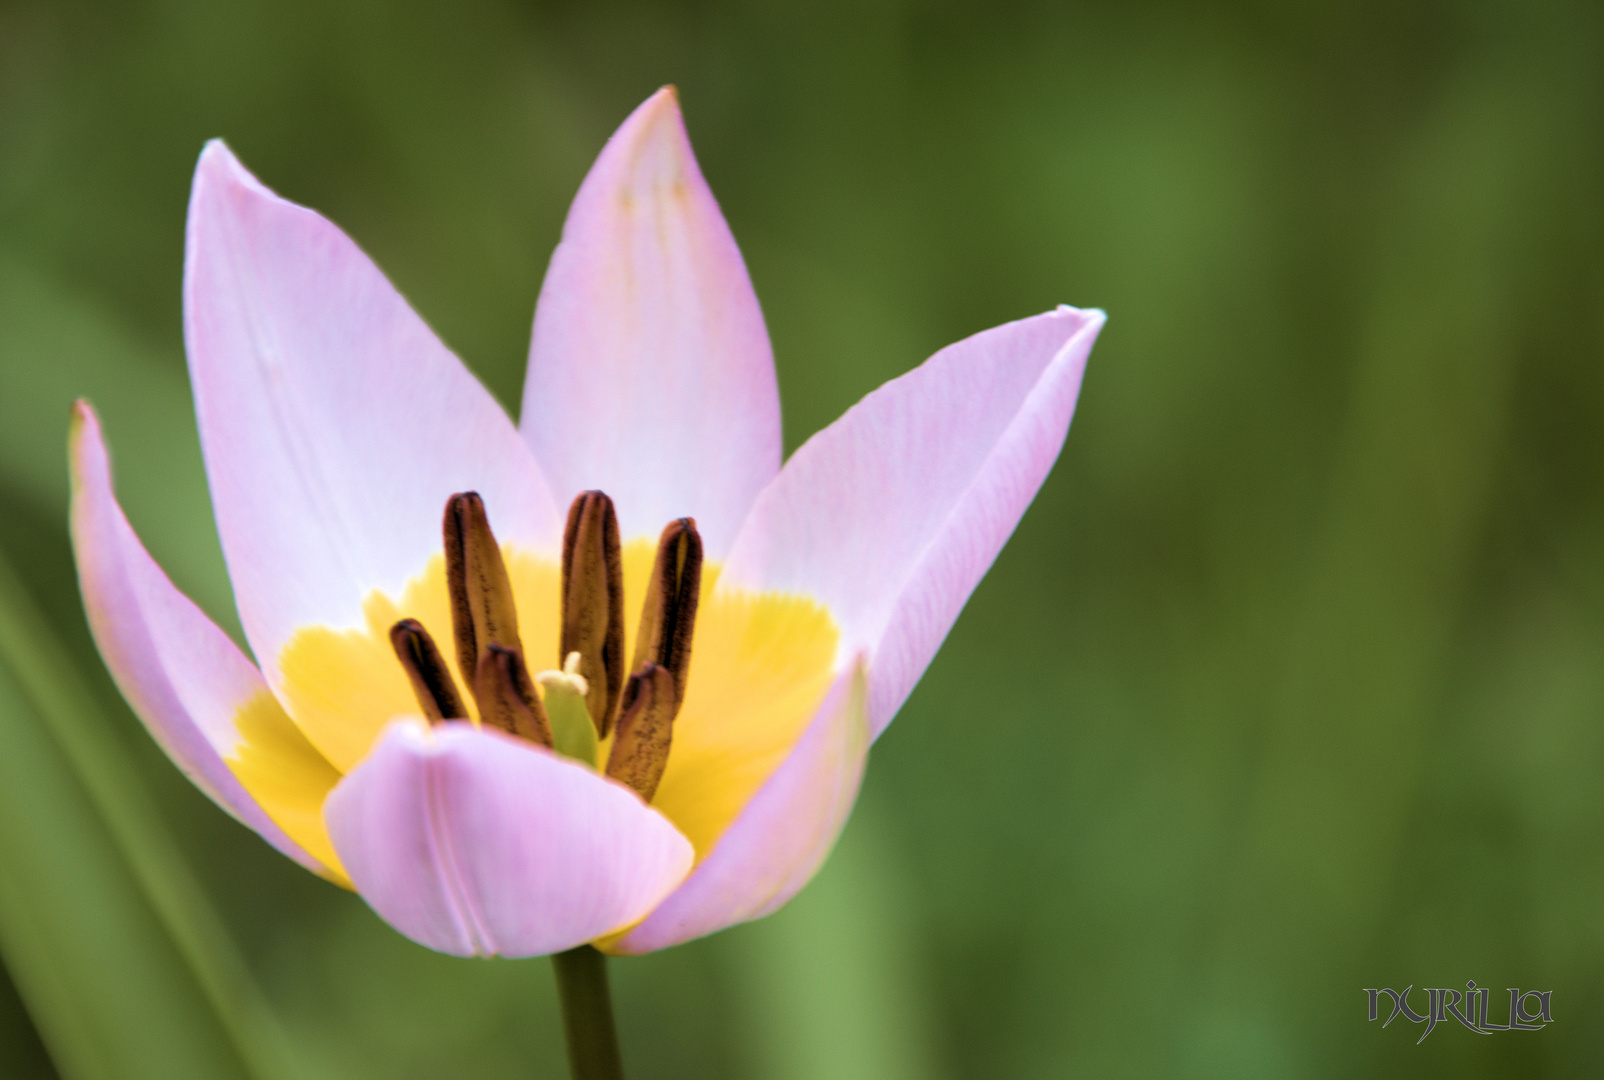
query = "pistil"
x=571 y=725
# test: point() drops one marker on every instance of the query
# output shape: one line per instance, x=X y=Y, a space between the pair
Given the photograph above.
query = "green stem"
x=587 y=1014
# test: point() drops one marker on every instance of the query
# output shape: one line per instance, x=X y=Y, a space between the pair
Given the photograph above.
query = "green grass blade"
x=123 y=962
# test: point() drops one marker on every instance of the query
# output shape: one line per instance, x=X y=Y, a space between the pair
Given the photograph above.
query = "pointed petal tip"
x=217 y=162
x=86 y=446
x=1090 y=325
x=215 y=195
x=80 y=416
x=220 y=170
x=661 y=106
x=1092 y=318
x=651 y=149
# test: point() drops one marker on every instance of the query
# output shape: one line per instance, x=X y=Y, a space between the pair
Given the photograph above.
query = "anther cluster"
x=637 y=712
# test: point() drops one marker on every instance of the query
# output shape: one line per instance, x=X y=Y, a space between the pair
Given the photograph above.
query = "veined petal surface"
x=472 y=842
x=184 y=678
x=782 y=837
x=335 y=424
x=650 y=375
x=891 y=515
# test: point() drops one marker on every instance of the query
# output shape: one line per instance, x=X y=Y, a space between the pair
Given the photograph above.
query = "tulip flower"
x=610 y=676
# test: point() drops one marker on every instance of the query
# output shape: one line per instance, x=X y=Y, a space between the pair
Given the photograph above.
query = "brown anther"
x=668 y=618
x=645 y=730
x=507 y=697
x=482 y=608
x=593 y=603
x=426 y=670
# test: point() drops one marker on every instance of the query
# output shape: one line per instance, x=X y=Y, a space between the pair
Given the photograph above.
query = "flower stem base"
x=587 y=1014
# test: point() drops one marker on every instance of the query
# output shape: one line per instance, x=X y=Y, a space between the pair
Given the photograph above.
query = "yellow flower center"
x=760 y=667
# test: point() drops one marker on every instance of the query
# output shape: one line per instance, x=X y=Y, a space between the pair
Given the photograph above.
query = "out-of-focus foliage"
x=1290 y=684
x=126 y=968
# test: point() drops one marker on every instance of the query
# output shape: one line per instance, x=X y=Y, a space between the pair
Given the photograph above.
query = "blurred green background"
x=1291 y=682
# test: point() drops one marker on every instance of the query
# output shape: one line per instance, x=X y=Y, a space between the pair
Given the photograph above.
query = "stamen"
x=572 y=730
x=507 y=698
x=668 y=618
x=645 y=730
x=426 y=670
x=482 y=608
x=593 y=603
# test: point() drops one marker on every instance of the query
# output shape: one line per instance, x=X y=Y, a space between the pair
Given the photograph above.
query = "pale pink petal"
x=892 y=514
x=183 y=676
x=335 y=423
x=781 y=838
x=650 y=375
x=472 y=842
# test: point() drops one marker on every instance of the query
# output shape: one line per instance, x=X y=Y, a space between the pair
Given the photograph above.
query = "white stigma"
x=568 y=678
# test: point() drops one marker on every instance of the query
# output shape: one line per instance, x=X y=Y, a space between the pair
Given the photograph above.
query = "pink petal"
x=892 y=514
x=183 y=676
x=472 y=842
x=781 y=838
x=650 y=375
x=335 y=424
